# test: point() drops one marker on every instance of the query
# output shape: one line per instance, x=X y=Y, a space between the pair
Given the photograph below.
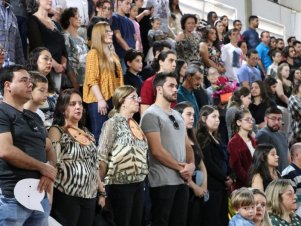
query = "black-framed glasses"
x=174 y=121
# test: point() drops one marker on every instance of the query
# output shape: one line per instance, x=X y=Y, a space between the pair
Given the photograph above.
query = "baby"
x=243 y=203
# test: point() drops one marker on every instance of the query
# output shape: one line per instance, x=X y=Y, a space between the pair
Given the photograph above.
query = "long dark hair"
x=238 y=116
x=260 y=164
x=61 y=105
x=32 y=65
x=202 y=133
x=180 y=107
x=179 y=66
x=205 y=37
x=235 y=99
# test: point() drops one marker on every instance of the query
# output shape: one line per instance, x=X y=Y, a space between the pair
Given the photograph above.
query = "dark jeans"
x=169 y=205
x=22 y=26
x=196 y=209
x=127 y=203
x=72 y=211
x=216 y=209
x=96 y=120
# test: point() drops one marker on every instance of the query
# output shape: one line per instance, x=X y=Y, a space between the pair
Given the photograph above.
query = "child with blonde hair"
x=243 y=203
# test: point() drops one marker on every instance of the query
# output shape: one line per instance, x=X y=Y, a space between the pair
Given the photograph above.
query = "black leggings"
x=72 y=211
x=127 y=203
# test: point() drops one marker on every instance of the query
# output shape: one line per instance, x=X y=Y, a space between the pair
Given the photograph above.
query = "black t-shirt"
x=28 y=135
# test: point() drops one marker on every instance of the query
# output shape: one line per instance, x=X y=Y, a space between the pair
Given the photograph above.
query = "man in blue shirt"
x=248 y=73
x=250 y=35
x=263 y=50
x=192 y=80
x=124 y=32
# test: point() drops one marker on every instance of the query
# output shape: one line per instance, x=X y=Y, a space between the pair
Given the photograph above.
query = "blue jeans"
x=13 y=213
x=96 y=120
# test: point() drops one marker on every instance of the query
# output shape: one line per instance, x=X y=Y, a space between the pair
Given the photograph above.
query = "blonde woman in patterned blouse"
x=123 y=153
x=103 y=76
x=77 y=181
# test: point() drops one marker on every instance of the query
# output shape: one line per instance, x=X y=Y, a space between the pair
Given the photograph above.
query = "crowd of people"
x=157 y=116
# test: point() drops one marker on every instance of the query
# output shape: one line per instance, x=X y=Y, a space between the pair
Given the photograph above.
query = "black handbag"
x=103 y=217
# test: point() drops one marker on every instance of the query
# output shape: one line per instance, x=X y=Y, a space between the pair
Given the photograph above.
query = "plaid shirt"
x=294 y=107
x=9 y=36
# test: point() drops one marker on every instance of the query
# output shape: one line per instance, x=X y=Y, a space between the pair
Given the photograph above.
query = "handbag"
x=65 y=82
x=103 y=217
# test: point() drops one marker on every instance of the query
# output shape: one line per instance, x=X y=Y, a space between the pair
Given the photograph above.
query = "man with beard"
x=271 y=134
x=171 y=161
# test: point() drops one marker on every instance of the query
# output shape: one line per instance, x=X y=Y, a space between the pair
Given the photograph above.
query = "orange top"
x=107 y=81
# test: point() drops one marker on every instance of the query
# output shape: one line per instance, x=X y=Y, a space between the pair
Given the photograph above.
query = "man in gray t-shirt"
x=171 y=160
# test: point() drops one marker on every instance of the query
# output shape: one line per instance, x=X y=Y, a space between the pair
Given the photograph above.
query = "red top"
x=240 y=159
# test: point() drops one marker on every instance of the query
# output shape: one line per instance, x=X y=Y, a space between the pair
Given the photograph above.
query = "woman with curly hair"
x=264 y=167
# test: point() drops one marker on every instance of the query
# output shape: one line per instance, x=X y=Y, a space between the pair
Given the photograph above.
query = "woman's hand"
x=101 y=201
x=102 y=107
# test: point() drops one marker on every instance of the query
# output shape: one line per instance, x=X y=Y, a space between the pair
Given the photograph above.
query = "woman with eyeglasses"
x=77 y=182
x=264 y=166
x=240 y=100
x=216 y=162
x=123 y=153
x=76 y=47
x=241 y=147
x=103 y=76
x=282 y=203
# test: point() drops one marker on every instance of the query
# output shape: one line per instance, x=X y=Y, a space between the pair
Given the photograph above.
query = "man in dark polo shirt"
x=22 y=152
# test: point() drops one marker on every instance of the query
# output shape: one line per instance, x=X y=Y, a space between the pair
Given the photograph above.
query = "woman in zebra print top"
x=123 y=152
x=77 y=181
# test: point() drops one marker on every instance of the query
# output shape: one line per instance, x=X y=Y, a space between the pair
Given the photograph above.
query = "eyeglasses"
x=250 y=120
x=134 y=98
x=275 y=119
x=109 y=32
x=174 y=121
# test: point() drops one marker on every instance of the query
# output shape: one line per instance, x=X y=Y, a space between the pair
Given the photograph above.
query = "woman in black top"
x=216 y=162
x=260 y=102
x=43 y=32
x=198 y=193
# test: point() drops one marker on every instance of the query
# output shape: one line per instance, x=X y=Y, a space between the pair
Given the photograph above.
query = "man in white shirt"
x=232 y=55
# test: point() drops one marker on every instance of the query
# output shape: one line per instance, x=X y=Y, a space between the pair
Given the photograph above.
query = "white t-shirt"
x=232 y=58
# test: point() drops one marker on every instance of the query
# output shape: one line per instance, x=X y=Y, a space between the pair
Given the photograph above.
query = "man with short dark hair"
x=280 y=44
x=238 y=25
x=248 y=73
x=193 y=80
x=124 y=32
x=263 y=50
x=291 y=40
x=167 y=63
x=297 y=47
x=250 y=35
x=171 y=161
x=271 y=134
x=22 y=153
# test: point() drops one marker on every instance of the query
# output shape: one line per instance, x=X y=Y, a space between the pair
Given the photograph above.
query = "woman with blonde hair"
x=261 y=217
x=103 y=76
x=282 y=203
x=123 y=154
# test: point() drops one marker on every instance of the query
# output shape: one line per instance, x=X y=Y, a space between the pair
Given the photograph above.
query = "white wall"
x=281 y=20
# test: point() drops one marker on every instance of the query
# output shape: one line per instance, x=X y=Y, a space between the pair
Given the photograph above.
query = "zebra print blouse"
x=77 y=167
x=125 y=155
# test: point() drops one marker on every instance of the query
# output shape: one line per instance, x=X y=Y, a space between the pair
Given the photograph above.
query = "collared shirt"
x=263 y=52
x=10 y=37
x=186 y=95
x=248 y=73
